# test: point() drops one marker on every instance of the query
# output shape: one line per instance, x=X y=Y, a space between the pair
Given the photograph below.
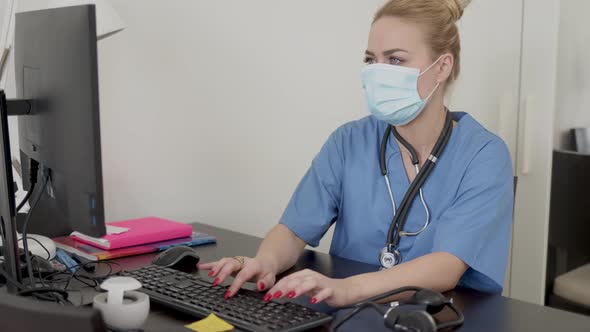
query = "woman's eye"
x=395 y=61
x=369 y=61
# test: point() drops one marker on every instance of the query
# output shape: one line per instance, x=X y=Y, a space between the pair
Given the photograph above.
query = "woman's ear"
x=445 y=67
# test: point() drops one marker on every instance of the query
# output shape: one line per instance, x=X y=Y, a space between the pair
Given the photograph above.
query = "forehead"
x=390 y=32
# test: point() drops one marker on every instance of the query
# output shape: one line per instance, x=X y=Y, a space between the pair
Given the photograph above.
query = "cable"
x=60 y=294
x=27 y=196
x=372 y=303
x=39 y=243
x=33 y=170
x=42 y=246
x=26 y=223
x=389 y=294
x=96 y=279
x=109 y=264
x=44 y=284
x=460 y=319
x=356 y=310
x=10 y=279
x=49 y=293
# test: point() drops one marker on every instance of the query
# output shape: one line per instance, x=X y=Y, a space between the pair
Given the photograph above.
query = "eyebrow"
x=388 y=52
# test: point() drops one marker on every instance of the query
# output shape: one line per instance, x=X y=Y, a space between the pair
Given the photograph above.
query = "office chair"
x=568 y=265
x=26 y=315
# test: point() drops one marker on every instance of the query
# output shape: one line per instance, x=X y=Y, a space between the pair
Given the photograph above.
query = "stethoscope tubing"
x=401 y=212
x=393 y=205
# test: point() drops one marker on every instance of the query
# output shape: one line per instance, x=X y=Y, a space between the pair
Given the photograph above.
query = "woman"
x=464 y=210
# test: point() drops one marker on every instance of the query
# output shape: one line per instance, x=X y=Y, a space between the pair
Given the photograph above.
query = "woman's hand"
x=258 y=269
x=335 y=292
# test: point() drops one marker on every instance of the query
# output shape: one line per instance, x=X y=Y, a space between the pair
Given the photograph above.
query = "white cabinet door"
x=535 y=144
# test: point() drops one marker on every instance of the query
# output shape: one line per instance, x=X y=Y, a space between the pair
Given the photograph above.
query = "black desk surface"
x=483 y=312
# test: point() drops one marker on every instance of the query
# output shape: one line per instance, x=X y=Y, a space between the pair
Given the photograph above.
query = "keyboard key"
x=183 y=284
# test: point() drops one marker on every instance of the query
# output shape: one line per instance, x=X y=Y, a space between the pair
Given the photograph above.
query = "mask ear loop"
x=437 y=83
x=434 y=63
x=432 y=92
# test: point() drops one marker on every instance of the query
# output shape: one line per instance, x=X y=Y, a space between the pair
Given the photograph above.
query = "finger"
x=217 y=266
x=266 y=282
x=286 y=285
x=276 y=290
x=207 y=266
x=243 y=276
x=322 y=295
x=300 y=274
x=289 y=278
x=306 y=285
x=228 y=268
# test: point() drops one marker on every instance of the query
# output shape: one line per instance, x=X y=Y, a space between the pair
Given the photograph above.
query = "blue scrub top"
x=469 y=194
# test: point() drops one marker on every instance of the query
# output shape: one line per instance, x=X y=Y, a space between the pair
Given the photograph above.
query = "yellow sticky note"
x=210 y=323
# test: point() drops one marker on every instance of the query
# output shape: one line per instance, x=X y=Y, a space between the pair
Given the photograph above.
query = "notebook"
x=67 y=243
x=134 y=232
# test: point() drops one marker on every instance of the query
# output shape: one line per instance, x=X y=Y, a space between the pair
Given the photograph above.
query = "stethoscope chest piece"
x=389 y=259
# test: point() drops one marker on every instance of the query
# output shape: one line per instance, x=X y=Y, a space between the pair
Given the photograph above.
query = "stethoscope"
x=390 y=254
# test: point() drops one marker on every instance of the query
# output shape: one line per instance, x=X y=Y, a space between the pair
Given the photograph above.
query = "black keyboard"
x=246 y=310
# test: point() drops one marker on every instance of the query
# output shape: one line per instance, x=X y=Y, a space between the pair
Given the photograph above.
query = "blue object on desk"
x=66 y=260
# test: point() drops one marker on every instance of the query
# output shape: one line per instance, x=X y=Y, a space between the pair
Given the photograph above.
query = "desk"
x=483 y=312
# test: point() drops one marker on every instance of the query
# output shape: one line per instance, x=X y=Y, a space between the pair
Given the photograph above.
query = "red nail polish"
x=261 y=286
x=211 y=273
x=215 y=282
x=313 y=300
x=267 y=297
x=291 y=294
x=227 y=295
x=278 y=294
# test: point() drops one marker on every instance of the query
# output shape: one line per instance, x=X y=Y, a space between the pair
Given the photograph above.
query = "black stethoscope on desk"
x=390 y=255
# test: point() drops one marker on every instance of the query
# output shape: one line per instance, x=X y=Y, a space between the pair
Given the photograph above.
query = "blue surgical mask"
x=392 y=92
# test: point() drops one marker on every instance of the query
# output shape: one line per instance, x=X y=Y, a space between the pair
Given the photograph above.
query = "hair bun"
x=456 y=8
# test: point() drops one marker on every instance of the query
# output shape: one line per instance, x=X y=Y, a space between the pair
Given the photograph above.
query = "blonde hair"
x=438 y=17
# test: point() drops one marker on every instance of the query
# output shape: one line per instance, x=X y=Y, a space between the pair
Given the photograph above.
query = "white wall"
x=5 y=14
x=212 y=111
x=573 y=70
x=488 y=86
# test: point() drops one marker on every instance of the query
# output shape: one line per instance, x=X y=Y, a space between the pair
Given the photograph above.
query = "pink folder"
x=141 y=231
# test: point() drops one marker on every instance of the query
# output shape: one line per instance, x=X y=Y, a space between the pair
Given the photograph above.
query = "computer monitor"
x=59 y=126
x=56 y=68
x=10 y=262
